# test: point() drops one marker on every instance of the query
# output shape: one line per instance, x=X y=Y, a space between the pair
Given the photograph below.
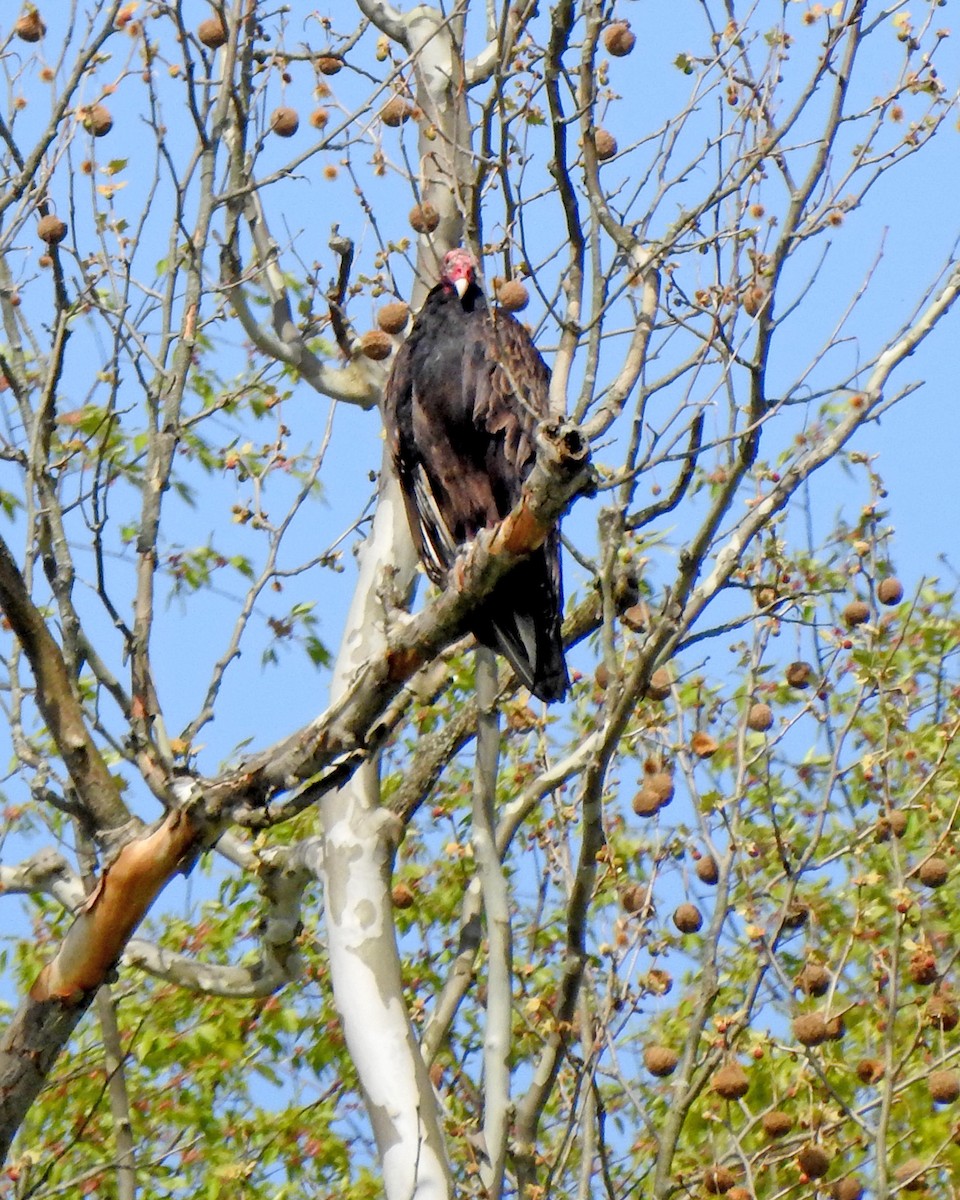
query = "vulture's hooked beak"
x=461 y=286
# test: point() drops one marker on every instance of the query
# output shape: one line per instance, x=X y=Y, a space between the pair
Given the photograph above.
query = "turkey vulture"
x=461 y=407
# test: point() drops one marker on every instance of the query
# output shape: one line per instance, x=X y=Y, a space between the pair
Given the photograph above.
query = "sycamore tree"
x=296 y=900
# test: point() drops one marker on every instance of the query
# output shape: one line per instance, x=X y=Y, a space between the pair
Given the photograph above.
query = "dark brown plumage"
x=461 y=407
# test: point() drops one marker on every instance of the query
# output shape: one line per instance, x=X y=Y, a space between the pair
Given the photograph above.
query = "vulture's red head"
x=459 y=270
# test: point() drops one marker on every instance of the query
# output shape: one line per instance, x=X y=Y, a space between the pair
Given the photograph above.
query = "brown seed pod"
x=605 y=143
x=402 y=896
x=392 y=318
x=910 y=1175
x=618 y=39
x=376 y=344
x=759 y=717
x=944 y=1086
x=922 y=967
x=633 y=897
x=890 y=590
x=660 y=1060
x=512 y=296
x=893 y=823
x=707 y=869
x=319 y=118
x=97 y=120
x=870 y=1070
x=602 y=676
x=836 y=1029
x=424 y=218
x=813 y=979
x=799 y=674
x=704 y=745
x=661 y=782
x=284 y=121
x=51 y=229
x=942 y=1013
x=730 y=1081
x=898 y=822
x=30 y=26
x=660 y=684
x=636 y=617
x=739 y=1193
x=849 y=1188
x=814 y=1160
x=776 y=1123
x=395 y=112
x=657 y=981
x=857 y=612
x=687 y=918
x=647 y=802
x=718 y=1180
x=753 y=298
x=328 y=64
x=212 y=32
x=810 y=1029
x=933 y=872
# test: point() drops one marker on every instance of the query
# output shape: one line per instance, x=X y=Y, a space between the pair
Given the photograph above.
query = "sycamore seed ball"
x=661 y=782
x=870 y=1070
x=934 y=871
x=707 y=869
x=944 y=1086
x=753 y=298
x=424 y=218
x=97 y=120
x=284 y=121
x=212 y=33
x=402 y=895
x=51 y=229
x=392 y=318
x=942 y=1013
x=647 y=803
x=856 y=613
x=760 y=717
x=813 y=979
x=328 y=64
x=605 y=143
x=799 y=674
x=30 y=27
x=718 y=1180
x=376 y=344
x=847 y=1189
x=730 y=1082
x=910 y=1175
x=703 y=744
x=810 y=1029
x=660 y=1060
x=814 y=1160
x=890 y=591
x=660 y=684
x=618 y=39
x=395 y=112
x=922 y=967
x=513 y=296
x=687 y=918
x=776 y=1123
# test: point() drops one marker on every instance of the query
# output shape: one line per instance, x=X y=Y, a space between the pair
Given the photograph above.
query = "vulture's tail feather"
x=521 y=620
